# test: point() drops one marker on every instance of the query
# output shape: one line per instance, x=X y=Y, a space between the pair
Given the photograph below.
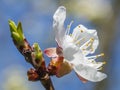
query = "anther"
x=104 y=62
x=78 y=43
x=83 y=49
x=81 y=31
x=100 y=68
x=79 y=26
x=92 y=49
x=92 y=39
x=102 y=54
x=68 y=28
x=94 y=57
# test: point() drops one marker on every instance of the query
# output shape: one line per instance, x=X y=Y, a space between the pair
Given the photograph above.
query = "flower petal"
x=69 y=50
x=91 y=45
x=50 y=52
x=58 y=24
x=60 y=15
x=81 y=78
x=86 y=39
x=94 y=64
x=89 y=73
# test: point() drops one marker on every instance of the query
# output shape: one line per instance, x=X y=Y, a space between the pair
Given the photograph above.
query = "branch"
x=33 y=55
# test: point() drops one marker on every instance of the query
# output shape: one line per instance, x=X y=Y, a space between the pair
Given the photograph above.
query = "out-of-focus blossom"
x=15 y=79
x=91 y=9
x=74 y=49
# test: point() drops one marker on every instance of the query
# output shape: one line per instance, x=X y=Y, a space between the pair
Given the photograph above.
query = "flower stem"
x=47 y=84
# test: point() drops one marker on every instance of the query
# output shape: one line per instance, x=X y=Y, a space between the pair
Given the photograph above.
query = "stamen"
x=102 y=54
x=79 y=26
x=91 y=39
x=92 y=49
x=100 y=68
x=70 y=35
x=93 y=61
x=104 y=62
x=89 y=43
x=78 y=41
x=68 y=28
x=94 y=57
x=83 y=49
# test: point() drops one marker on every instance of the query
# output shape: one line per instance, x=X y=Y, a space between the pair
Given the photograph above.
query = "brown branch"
x=33 y=75
x=47 y=83
x=33 y=55
x=41 y=71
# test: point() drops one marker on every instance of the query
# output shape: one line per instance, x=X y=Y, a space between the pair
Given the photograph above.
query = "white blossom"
x=77 y=46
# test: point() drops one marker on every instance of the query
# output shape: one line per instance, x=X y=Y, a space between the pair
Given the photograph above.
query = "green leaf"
x=16 y=36
x=19 y=29
x=12 y=26
x=16 y=32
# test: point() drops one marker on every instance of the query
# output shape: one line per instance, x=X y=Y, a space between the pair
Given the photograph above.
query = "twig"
x=33 y=55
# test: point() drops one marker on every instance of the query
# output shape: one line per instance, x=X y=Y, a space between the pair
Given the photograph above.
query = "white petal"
x=95 y=42
x=60 y=15
x=58 y=24
x=97 y=65
x=82 y=37
x=69 y=50
x=77 y=32
x=93 y=63
x=89 y=73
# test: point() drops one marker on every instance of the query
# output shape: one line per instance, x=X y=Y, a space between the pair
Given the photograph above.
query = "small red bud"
x=32 y=75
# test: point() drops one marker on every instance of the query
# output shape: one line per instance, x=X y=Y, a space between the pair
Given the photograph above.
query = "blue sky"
x=36 y=18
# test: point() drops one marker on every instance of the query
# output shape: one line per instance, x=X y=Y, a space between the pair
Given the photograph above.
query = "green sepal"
x=37 y=51
x=38 y=56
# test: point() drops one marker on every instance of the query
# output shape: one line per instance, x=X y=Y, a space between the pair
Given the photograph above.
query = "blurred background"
x=36 y=17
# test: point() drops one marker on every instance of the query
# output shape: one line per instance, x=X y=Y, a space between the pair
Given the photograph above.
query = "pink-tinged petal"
x=50 y=52
x=59 y=51
x=82 y=79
